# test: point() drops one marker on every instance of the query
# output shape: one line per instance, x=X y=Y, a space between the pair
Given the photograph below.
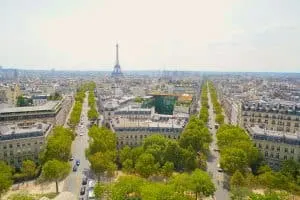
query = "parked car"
x=75 y=168
x=71 y=159
x=84 y=180
x=81 y=134
x=82 y=191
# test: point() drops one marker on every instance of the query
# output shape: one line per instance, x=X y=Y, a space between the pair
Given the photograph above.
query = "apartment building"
x=276 y=146
x=22 y=141
x=271 y=115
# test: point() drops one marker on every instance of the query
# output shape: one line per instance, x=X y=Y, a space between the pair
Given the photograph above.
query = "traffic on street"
x=213 y=163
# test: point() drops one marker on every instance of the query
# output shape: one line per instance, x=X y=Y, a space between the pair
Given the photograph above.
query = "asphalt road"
x=214 y=157
x=73 y=181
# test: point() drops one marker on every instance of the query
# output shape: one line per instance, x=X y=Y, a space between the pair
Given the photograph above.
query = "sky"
x=198 y=35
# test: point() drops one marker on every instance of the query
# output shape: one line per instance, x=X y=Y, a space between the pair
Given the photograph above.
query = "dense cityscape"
x=157 y=135
x=150 y=100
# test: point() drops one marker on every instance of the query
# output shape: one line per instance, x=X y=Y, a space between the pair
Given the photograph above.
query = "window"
x=259 y=145
x=278 y=148
x=266 y=154
x=271 y=155
x=292 y=151
x=254 y=144
x=286 y=150
x=18 y=144
x=10 y=145
x=277 y=155
x=4 y=147
x=272 y=148
x=267 y=146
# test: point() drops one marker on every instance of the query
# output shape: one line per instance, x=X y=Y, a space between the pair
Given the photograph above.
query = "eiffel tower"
x=117 y=68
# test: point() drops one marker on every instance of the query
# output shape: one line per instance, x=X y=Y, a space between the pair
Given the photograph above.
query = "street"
x=214 y=158
x=74 y=179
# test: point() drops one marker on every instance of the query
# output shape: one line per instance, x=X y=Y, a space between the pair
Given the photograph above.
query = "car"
x=82 y=191
x=75 y=168
x=84 y=180
x=71 y=159
x=77 y=162
x=219 y=168
x=81 y=134
x=215 y=149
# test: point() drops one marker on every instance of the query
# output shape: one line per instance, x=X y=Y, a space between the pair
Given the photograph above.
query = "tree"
x=145 y=165
x=269 y=196
x=102 y=140
x=237 y=179
x=102 y=162
x=55 y=170
x=159 y=191
x=202 y=184
x=128 y=166
x=167 y=169
x=28 y=168
x=99 y=190
x=198 y=138
x=181 y=182
x=127 y=186
x=233 y=159
x=291 y=169
x=220 y=118
x=5 y=177
x=21 y=196
x=239 y=193
x=92 y=113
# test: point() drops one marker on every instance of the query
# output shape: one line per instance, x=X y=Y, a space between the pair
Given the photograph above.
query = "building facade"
x=22 y=141
x=276 y=146
x=279 y=116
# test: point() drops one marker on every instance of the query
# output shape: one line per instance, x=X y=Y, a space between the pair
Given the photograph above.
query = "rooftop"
x=276 y=136
x=9 y=132
x=50 y=105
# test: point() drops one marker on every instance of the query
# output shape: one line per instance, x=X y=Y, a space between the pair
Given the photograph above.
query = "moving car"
x=75 y=168
x=77 y=162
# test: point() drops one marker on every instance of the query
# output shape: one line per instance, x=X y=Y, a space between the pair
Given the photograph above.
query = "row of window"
x=272 y=147
x=272 y=122
x=28 y=151
x=5 y=146
x=145 y=136
x=271 y=155
x=271 y=116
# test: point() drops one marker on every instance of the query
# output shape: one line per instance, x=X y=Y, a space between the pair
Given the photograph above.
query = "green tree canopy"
x=146 y=165
x=55 y=170
x=5 y=177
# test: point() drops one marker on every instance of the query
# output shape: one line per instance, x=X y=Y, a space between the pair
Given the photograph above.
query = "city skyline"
x=184 y=36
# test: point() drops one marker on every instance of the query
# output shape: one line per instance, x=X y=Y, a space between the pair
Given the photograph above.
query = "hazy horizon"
x=192 y=35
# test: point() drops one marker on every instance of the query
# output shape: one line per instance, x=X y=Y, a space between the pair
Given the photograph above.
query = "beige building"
x=133 y=124
x=279 y=116
x=53 y=112
x=22 y=141
x=276 y=146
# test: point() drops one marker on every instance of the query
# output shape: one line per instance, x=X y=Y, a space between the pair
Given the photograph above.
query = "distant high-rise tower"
x=117 y=68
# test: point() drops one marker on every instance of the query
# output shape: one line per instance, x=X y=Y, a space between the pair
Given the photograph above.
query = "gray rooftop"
x=50 y=105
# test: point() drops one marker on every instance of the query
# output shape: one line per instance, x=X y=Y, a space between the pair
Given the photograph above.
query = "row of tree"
x=217 y=106
x=287 y=179
x=180 y=187
x=92 y=113
x=204 y=115
x=56 y=155
x=102 y=151
x=236 y=149
x=160 y=155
